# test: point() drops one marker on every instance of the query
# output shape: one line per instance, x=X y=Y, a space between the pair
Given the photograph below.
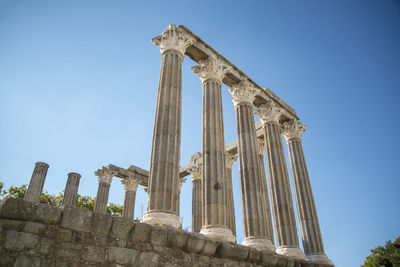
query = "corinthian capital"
x=230 y=159
x=211 y=68
x=261 y=146
x=292 y=129
x=243 y=92
x=130 y=184
x=269 y=112
x=104 y=175
x=196 y=172
x=172 y=38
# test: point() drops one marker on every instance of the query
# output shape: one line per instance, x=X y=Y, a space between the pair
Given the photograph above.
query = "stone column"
x=105 y=177
x=182 y=180
x=37 y=182
x=196 y=174
x=163 y=202
x=71 y=189
x=307 y=212
x=281 y=198
x=261 y=148
x=231 y=205
x=130 y=186
x=253 y=202
x=215 y=219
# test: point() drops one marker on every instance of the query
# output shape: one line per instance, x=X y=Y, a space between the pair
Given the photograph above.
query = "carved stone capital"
x=269 y=112
x=243 y=92
x=230 y=159
x=210 y=68
x=130 y=185
x=104 y=175
x=182 y=180
x=261 y=146
x=292 y=129
x=172 y=38
x=196 y=172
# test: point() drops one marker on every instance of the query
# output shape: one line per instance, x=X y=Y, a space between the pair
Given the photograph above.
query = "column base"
x=219 y=233
x=162 y=218
x=294 y=252
x=259 y=243
x=320 y=258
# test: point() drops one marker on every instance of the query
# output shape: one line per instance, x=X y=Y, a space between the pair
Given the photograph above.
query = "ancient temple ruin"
x=211 y=170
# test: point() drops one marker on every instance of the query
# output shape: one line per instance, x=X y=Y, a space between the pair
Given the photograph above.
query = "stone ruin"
x=35 y=234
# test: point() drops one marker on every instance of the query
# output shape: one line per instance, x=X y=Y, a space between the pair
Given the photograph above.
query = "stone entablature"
x=199 y=50
x=44 y=235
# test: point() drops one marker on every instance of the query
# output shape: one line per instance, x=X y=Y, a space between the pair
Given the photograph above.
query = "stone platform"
x=44 y=235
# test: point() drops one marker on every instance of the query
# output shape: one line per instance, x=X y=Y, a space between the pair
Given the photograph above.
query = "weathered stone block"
x=177 y=238
x=94 y=254
x=148 y=259
x=5 y=258
x=121 y=255
x=141 y=233
x=12 y=224
x=15 y=208
x=55 y=262
x=77 y=219
x=47 y=214
x=195 y=243
x=34 y=228
x=19 y=241
x=27 y=261
x=291 y=262
x=101 y=224
x=254 y=255
x=232 y=251
x=46 y=245
x=159 y=236
x=268 y=257
x=282 y=261
x=64 y=234
x=68 y=253
x=210 y=246
x=121 y=227
x=68 y=245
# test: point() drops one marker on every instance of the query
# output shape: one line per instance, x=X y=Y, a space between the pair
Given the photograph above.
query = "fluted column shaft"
x=197 y=206
x=285 y=223
x=164 y=169
x=270 y=230
x=37 y=182
x=307 y=212
x=163 y=205
x=309 y=225
x=181 y=181
x=104 y=178
x=71 y=189
x=231 y=205
x=196 y=173
x=215 y=209
x=130 y=186
x=214 y=169
x=253 y=201
x=129 y=204
x=102 y=198
x=282 y=204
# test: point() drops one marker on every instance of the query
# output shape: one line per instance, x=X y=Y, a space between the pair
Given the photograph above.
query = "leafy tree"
x=387 y=256
x=56 y=200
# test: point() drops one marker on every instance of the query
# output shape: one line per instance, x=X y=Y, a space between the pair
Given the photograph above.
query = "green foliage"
x=387 y=256
x=56 y=200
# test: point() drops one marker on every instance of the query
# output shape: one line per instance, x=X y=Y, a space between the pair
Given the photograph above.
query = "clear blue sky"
x=78 y=86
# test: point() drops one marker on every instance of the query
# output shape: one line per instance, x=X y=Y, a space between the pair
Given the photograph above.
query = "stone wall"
x=44 y=235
